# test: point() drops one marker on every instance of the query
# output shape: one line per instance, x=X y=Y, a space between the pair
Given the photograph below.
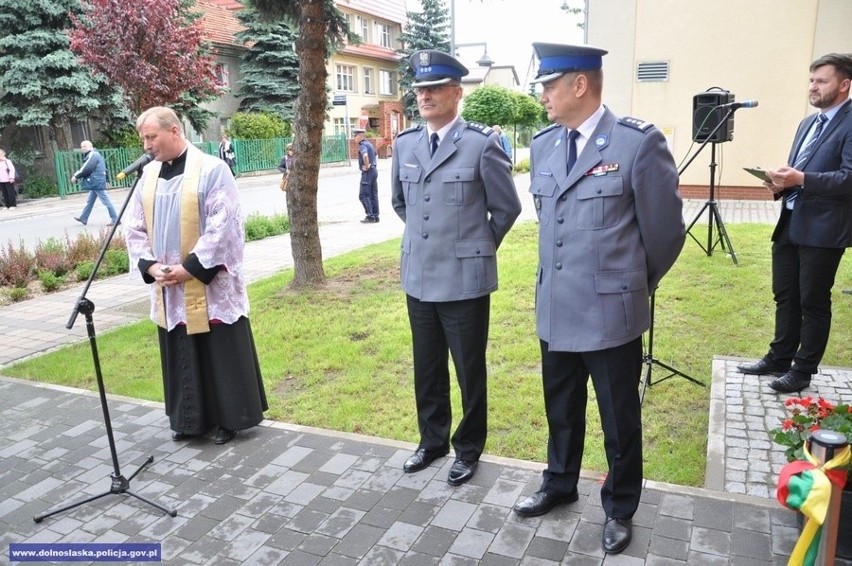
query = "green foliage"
x=49 y=280
x=257 y=126
x=16 y=265
x=269 y=71
x=115 y=262
x=40 y=186
x=426 y=29
x=489 y=104
x=123 y=136
x=50 y=256
x=41 y=81
x=526 y=110
x=522 y=166
x=17 y=294
x=84 y=269
x=258 y=227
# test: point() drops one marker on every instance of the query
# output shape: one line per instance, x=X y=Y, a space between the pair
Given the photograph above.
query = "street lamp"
x=485 y=60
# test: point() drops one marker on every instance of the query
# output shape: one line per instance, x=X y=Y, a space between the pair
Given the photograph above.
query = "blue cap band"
x=570 y=63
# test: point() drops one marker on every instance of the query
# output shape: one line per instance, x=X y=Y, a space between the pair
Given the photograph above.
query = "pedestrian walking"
x=92 y=178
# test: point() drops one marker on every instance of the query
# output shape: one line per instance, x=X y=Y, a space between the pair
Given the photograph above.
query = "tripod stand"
x=648 y=360
x=120 y=484
x=714 y=216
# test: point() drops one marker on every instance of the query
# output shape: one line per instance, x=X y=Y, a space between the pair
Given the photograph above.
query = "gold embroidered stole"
x=195 y=293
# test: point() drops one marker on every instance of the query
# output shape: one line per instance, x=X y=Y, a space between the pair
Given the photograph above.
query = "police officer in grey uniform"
x=452 y=186
x=610 y=226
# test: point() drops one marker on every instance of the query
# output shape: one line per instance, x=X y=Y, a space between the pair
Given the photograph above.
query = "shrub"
x=258 y=227
x=257 y=126
x=50 y=256
x=522 y=166
x=16 y=265
x=115 y=262
x=83 y=248
x=18 y=294
x=84 y=269
x=49 y=280
x=40 y=186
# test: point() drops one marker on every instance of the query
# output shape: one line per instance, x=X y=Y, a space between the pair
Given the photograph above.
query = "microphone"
x=135 y=166
x=737 y=105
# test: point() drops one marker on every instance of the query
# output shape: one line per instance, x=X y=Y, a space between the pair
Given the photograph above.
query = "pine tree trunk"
x=307 y=146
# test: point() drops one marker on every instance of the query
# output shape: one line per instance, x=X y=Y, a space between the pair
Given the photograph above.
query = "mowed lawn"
x=340 y=357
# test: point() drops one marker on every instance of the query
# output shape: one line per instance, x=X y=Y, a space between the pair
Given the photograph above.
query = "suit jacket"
x=608 y=232
x=822 y=214
x=457 y=206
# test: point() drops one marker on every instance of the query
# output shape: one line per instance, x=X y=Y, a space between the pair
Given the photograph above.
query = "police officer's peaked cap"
x=556 y=59
x=433 y=68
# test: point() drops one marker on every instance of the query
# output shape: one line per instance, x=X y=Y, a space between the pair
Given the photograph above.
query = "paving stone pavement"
x=284 y=494
x=287 y=494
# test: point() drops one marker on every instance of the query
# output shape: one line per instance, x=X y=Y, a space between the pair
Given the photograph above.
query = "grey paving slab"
x=388 y=522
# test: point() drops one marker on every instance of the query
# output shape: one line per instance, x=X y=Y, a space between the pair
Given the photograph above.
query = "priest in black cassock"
x=185 y=234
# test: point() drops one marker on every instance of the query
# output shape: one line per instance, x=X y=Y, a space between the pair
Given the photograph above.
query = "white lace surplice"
x=221 y=242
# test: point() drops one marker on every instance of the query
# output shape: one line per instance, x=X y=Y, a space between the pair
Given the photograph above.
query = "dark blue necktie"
x=804 y=153
x=433 y=143
x=572 y=149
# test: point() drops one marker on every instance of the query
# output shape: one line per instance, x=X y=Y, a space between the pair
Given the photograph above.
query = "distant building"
x=663 y=53
x=220 y=25
x=364 y=78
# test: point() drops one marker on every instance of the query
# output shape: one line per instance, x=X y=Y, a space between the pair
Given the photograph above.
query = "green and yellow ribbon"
x=806 y=487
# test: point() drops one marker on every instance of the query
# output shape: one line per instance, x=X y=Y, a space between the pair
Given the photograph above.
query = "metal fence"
x=252 y=155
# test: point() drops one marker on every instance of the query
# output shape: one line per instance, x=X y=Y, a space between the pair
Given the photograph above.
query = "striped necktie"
x=804 y=154
x=572 y=149
x=433 y=143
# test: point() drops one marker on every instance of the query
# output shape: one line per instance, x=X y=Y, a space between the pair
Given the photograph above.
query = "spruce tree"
x=428 y=29
x=41 y=81
x=270 y=68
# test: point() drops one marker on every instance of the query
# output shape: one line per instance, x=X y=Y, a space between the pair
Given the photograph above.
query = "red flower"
x=787 y=424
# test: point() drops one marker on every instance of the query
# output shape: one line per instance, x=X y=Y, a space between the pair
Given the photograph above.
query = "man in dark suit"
x=610 y=226
x=813 y=230
x=452 y=186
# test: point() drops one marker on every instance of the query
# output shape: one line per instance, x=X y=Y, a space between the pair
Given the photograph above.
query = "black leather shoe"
x=791 y=382
x=367 y=220
x=178 y=436
x=77 y=218
x=461 y=471
x=224 y=435
x=542 y=502
x=616 y=535
x=421 y=459
x=763 y=367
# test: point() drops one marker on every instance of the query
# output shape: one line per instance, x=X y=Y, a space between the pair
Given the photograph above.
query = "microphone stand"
x=120 y=484
x=714 y=214
x=648 y=360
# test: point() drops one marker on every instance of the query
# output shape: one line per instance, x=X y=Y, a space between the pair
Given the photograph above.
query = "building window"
x=223 y=75
x=652 y=71
x=346 y=78
x=385 y=35
x=369 y=81
x=79 y=132
x=35 y=136
x=387 y=82
x=340 y=126
x=364 y=26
